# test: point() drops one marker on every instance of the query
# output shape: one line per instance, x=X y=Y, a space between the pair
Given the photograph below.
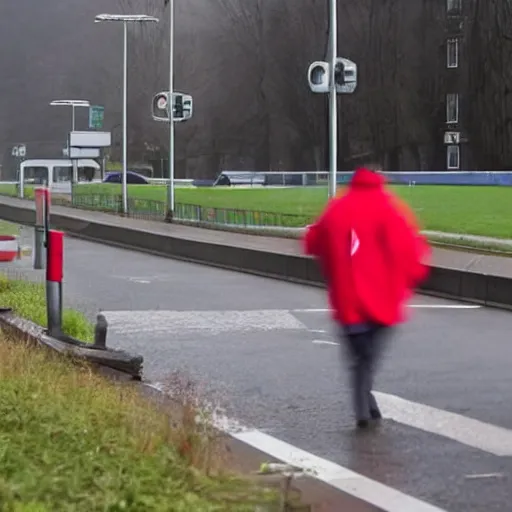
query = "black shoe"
x=363 y=424
x=375 y=414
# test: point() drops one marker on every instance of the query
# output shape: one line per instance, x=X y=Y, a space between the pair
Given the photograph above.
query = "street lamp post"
x=170 y=186
x=125 y=19
x=333 y=99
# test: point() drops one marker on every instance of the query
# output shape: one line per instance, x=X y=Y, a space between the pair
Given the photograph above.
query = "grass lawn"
x=8 y=228
x=467 y=210
x=483 y=211
x=73 y=441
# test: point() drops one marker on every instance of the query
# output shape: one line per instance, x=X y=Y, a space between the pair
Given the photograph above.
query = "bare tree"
x=489 y=94
x=297 y=36
x=241 y=41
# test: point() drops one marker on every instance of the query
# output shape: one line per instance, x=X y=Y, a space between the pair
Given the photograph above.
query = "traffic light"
x=345 y=76
x=160 y=106
x=318 y=77
x=178 y=106
x=182 y=107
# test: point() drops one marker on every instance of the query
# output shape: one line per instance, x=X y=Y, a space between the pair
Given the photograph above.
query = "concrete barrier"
x=492 y=290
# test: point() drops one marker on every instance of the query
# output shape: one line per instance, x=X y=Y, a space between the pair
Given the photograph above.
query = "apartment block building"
x=455 y=140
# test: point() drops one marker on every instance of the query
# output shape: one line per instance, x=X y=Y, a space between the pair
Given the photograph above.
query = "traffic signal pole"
x=333 y=105
x=170 y=184
x=336 y=75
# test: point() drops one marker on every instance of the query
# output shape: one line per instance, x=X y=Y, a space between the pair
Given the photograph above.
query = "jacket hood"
x=364 y=178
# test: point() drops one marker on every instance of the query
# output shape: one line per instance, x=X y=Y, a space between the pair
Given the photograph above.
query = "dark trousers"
x=364 y=350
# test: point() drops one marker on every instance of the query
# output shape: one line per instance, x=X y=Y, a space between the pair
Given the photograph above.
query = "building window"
x=453 y=157
x=454 y=7
x=452 y=53
x=452 y=108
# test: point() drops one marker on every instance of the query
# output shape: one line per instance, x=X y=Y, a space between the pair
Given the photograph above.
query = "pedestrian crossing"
x=216 y=322
x=464 y=432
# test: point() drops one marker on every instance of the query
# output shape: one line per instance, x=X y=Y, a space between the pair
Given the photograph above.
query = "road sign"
x=75 y=153
x=19 y=151
x=89 y=139
x=96 y=115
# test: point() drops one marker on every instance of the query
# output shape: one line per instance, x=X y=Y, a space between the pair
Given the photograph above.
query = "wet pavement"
x=266 y=350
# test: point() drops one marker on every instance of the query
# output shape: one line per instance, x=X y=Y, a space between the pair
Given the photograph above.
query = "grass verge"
x=28 y=300
x=73 y=441
x=466 y=210
x=8 y=228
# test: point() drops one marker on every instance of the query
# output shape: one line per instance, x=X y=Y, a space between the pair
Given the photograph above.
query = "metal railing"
x=238 y=217
x=190 y=213
x=111 y=203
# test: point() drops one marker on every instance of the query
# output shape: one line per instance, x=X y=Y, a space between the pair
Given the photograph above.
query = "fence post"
x=119 y=205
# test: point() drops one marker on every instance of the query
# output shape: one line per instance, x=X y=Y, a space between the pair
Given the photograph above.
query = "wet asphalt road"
x=250 y=341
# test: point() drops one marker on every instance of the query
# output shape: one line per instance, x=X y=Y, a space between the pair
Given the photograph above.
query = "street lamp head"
x=127 y=18
x=72 y=103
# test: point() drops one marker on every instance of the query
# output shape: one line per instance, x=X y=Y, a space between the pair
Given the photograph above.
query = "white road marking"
x=383 y=497
x=211 y=322
x=416 y=306
x=484 y=475
x=477 y=434
x=324 y=342
x=218 y=322
x=446 y=306
x=359 y=486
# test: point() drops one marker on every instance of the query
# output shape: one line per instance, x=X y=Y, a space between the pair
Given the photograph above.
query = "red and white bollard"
x=54 y=275
x=9 y=247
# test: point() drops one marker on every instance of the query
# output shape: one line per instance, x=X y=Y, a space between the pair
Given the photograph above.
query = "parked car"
x=132 y=178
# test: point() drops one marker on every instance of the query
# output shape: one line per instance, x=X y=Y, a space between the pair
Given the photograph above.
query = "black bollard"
x=100 y=331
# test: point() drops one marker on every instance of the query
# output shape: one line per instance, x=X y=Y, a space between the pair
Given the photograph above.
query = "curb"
x=479 y=288
x=116 y=360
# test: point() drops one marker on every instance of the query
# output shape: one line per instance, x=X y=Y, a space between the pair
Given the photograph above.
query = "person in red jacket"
x=372 y=256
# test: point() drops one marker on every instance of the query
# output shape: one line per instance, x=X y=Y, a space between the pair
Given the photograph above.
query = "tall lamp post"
x=73 y=104
x=125 y=19
x=170 y=186
x=333 y=98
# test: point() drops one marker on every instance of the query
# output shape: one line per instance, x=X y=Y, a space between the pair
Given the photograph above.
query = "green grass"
x=483 y=211
x=8 y=228
x=72 y=441
x=9 y=189
x=471 y=210
x=28 y=300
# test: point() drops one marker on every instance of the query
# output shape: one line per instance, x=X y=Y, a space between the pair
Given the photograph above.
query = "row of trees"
x=245 y=64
